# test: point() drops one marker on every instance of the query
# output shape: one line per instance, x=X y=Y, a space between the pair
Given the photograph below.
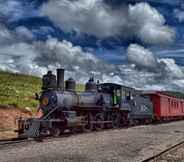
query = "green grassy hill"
x=18 y=90
x=174 y=94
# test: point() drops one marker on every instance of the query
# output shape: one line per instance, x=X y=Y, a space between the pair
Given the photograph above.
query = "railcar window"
x=118 y=93
x=128 y=94
x=123 y=94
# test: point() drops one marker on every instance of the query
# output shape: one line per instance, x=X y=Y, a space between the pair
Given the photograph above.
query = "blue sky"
x=111 y=31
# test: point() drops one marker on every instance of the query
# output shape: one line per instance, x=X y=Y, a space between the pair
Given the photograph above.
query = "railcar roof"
x=176 y=95
x=117 y=86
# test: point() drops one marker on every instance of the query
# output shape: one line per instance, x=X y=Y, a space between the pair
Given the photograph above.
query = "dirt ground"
x=121 y=145
x=8 y=116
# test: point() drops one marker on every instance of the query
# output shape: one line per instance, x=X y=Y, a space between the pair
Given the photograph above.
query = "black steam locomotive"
x=100 y=106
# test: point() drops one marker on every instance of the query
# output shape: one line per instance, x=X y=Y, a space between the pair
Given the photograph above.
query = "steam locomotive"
x=100 y=106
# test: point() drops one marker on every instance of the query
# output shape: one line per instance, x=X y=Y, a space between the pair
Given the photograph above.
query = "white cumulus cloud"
x=150 y=24
x=145 y=59
x=95 y=17
x=24 y=33
x=5 y=35
x=35 y=57
x=172 y=68
x=16 y=9
x=85 y=16
x=179 y=15
x=141 y=57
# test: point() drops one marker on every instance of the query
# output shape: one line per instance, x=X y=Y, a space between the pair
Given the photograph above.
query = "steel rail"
x=155 y=157
x=13 y=141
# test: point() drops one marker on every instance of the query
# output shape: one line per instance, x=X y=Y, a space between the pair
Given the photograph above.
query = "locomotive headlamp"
x=45 y=101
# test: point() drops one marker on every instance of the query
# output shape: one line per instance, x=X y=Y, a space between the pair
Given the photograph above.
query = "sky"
x=131 y=42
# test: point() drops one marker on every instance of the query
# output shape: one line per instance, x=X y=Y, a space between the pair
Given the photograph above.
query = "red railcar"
x=167 y=107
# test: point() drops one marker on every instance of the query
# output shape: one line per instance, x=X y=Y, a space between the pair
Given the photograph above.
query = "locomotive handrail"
x=45 y=117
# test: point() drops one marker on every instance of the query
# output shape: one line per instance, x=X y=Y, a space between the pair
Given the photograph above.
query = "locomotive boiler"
x=100 y=106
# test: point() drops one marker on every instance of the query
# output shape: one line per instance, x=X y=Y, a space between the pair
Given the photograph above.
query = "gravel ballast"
x=121 y=145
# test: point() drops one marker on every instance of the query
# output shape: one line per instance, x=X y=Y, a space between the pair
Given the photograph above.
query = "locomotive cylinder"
x=60 y=79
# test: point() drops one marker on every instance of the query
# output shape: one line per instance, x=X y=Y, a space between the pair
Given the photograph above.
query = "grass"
x=18 y=90
x=80 y=87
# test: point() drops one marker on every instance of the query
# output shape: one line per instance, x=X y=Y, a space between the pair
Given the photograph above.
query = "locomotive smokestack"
x=60 y=79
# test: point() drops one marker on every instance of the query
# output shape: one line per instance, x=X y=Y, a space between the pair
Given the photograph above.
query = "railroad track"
x=157 y=157
x=66 y=134
x=14 y=141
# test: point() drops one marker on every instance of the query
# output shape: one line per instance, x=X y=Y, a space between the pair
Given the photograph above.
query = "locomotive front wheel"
x=99 y=118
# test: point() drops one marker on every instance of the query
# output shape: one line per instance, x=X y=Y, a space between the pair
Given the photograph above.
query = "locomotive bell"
x=60 y=79
x=70 y=84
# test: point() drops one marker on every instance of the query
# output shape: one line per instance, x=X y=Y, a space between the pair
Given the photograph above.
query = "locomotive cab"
x=114 y=90
x=120 y=95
